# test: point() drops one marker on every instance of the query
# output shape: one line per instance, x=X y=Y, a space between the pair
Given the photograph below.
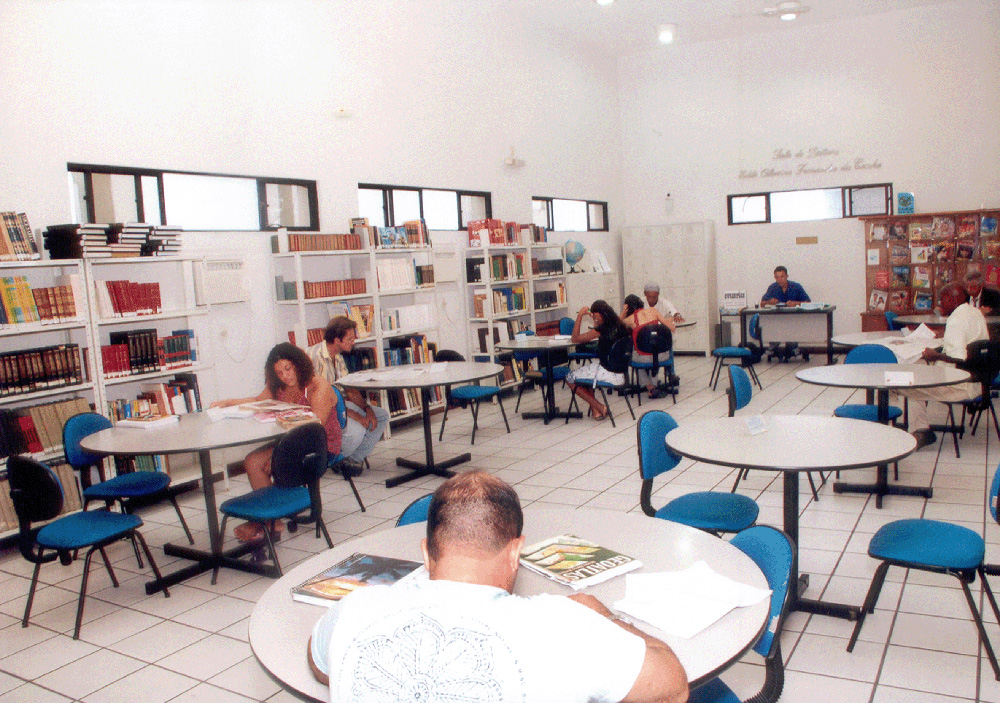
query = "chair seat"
x=268 y=503
x=79 y=530
x=583 y=355
x=928 y=544
x=714 y=691
x=474 y=392
x=709 y=510
x=137 y=483
x=860 y=411
x=558 y=373
x=662 y=364
x=731 y=351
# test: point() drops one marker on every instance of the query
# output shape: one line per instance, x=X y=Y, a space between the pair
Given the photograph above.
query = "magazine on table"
x=576 y=562
x=356 y=571
x=148 y=422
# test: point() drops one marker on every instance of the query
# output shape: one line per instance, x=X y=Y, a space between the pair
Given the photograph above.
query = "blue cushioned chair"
x=868 y=354
x=706 y=510
x=583 y=352
x=336 y=461
x=415 y=511
x=740 y=393
x=617 y=361
x=658 y=341
x=473 y=394
x=37 y=496
x=890 y=321
x=774 y=553
x=298 y=461
x=121 y=488
x=558 y=372
x=937 y=547
x=747 y=356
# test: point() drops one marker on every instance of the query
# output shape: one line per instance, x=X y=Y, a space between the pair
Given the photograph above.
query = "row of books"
x=493 y=232
x=505 y=300
x=177 y=396
x=71 y=496
x=550 y=298
x=900 y=300
x=939 y=253
x=944 y=227
x=307 y=241
x=402 y=274
x=99 y=241
x=22 y=304
x=403 y=401
x=37 y=429
x=17 y=241
x=363 y=315
x=40 y=368
x=124 y=298
x=134 y=352
x=413 y=349
x=333 y=289
x=412 y=233
x=408 y=317
x=546 y=267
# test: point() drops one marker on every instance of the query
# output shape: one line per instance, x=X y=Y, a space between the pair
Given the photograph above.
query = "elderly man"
x=462 y=635
x=986 y=300
x=965 y=325
x=664 y=306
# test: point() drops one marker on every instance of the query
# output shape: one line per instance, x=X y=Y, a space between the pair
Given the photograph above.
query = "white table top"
x=194 y=432
x=280 y=627
x=873 y=375
x=856 y=339
x=534 y=342
x=791 y=443
x=795 y=309
x=420 y=375
x=935 y=320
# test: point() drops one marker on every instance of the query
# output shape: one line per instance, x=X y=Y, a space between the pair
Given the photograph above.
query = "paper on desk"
x=910 y=347
x=683 y=603
x=438 y=367
x=899 y=378
x=233 y=411
x=562 y=337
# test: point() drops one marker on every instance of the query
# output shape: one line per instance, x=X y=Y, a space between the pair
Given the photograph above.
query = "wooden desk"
x=280 y=627
x=195 y=432
x=794 y=324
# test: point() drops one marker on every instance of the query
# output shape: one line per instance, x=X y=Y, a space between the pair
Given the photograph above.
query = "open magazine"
x=576 y=562
x=356 y=571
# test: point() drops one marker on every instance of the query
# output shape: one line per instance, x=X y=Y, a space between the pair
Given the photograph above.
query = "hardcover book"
x=356 y=571
x=576 y=562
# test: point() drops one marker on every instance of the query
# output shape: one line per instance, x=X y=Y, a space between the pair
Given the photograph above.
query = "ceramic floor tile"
x=814 y=688
x=934 y=672
x=206 y=693
x=30 y=693
x=159 y=641
x=206 y=658
x=89 y=673
x=816 y=654
x=49 y=655
x=248 y=679
x=157 y=686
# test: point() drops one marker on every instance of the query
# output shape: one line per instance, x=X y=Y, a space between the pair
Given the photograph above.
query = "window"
x=563 y=215
x=811 y=204
x=389 y=206
x=208 y=201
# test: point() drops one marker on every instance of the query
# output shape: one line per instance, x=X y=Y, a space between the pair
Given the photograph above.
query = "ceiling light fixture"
x=789 y=16
x=604 y=2
x=665 y=33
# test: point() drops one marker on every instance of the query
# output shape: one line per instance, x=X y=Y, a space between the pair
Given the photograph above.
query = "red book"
x=30 y=434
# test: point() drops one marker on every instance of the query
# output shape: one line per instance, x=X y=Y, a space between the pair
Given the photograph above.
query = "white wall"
x=438 y=94
x=918 y=91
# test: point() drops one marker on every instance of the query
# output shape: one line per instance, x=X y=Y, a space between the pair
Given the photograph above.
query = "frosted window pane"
x=473 y=208
x=211 y=202
x=569 y=216
x=441 y=209
x=370 y=206
x=749 y=208
x=805 y=205
x=405 y=206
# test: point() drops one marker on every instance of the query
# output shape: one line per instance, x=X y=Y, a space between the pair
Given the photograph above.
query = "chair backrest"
x=870 y=354
x=740 y=389
x=651 y=433
x=75 y=429
x=566 y=325
x=415 y=511
x=983 y=360
x=299 y=458
x=890 y=320
x=774 y=553
x=341 y=408
x=755 y=326
x=448 y=355
x=527 y=355
x=994 y=491
x=656 y=340
x=619 y=356
x=37 y=495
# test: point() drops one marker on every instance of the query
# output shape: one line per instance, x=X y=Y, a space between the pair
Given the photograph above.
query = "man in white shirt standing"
x=965 y=325
x=665 y=307
x=463 y=635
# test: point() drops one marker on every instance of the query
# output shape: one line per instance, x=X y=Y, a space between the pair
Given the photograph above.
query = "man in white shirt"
x=463 y=635
x=666 y=308
x=986 y=300
x=965 y=325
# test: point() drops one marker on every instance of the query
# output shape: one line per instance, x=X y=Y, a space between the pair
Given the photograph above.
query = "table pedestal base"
x=206 y=561
x=550 y=416
x=882 y=488
x=419 y=469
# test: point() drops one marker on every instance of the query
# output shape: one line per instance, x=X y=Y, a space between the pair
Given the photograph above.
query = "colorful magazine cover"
x=968 y=226
x=921 y=255
x=877 y=300
x=356 y=571
x=576 y=562
x=943 y=252
x=943 y=275
x=921 y=277
x=921 y=230
x=988 y=226
x=898 y=231
x=898 y=300
x=899 y=255
x=923 y=301
x=943 y=228
x=900 y=276
x=878 y=232
x=965 y=250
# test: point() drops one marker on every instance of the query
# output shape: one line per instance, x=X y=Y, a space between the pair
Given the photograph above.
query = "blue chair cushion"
x=663 y=363
x=731 y=351
x=583 y=355
x=79 y=530
x=928 y=544
x=137 y=483
x=474 y=392
x=708 y=510
x=714 y=691
x=857 y=411
x=268 y=503
x=558 y=373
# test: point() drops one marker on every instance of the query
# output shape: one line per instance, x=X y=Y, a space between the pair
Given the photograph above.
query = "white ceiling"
x=629 y=26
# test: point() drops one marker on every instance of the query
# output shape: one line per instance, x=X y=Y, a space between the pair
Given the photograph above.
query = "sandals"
x=601 y=417
x=254 y=531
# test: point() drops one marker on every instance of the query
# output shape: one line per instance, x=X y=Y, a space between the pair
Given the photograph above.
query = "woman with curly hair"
x=289 y=377
x=608 y=329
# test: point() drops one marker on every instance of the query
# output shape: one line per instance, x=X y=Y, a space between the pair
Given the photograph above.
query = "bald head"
x=473 y=512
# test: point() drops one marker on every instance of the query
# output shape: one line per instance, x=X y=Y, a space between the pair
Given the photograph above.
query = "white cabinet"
x=681 y=259
x=584 y=288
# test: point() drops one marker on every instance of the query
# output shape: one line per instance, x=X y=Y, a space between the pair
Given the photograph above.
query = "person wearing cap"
x=662 y=305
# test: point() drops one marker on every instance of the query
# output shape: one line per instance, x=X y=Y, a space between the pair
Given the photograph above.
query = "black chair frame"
x=656 y=340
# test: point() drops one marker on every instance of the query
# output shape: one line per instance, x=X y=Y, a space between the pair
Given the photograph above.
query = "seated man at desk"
x=463 y=635
x=784 y=292
x=986 y=300
x=663 y=306
x=965 y=325
x=365 y=422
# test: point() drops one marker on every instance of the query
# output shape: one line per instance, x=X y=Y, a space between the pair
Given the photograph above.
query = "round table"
x=856 y=339
x=544 y=346
x=792 y=444
x=195 y=432
x=872 y=377
x=424 y=377
x=280 y=627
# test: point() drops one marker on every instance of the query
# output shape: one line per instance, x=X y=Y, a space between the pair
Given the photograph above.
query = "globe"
x=573 y=252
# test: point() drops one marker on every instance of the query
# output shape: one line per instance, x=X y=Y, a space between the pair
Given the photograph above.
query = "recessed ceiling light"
x=665 y=33
x=789 y=16
x=604 y=2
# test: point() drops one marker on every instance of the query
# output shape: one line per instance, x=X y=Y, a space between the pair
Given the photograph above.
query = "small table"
x=786 y=319
x=545 y=346
x=872 y=377
x=935 y=320
x=424 y=377
x=280 y=627
x=195 y=432
x=856 y=339
x=793 y=444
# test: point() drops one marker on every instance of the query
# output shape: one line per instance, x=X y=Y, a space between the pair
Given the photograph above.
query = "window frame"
x=88 y=171
x=390 y=216
x=846 y=204
x=550 y=212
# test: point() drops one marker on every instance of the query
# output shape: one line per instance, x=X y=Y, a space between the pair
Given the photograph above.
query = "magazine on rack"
x=356 y=571
x=576 y=562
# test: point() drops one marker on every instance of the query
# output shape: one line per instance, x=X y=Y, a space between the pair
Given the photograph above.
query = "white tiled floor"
x=920 y=644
